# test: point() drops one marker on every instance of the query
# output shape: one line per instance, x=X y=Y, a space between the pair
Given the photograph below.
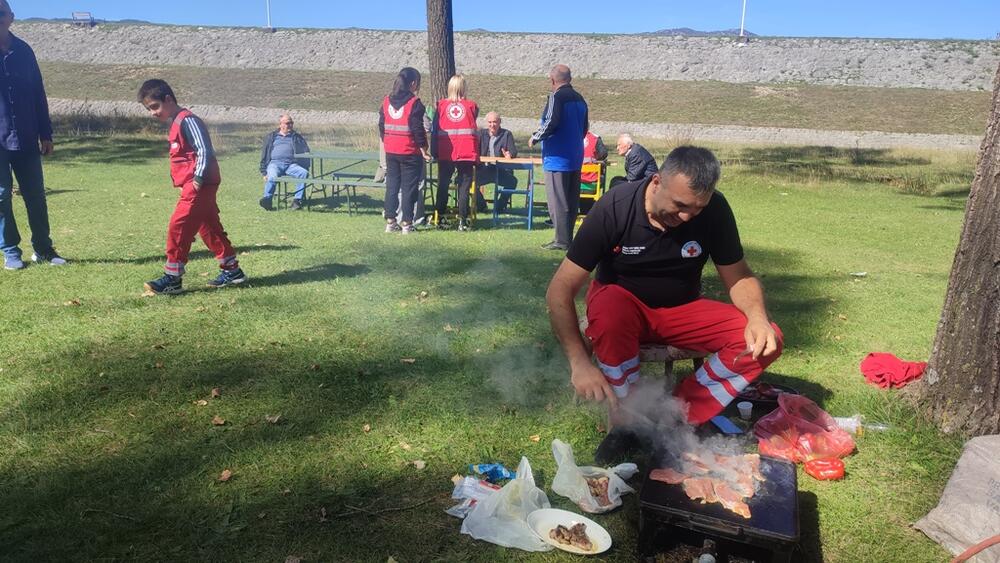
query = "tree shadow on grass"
x=102 y=150
x=194 y=255
x=310 y=274
x=909 y=175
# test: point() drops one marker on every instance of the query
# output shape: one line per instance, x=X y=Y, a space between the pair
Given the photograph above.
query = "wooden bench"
x=665 y=353
x=84 y=19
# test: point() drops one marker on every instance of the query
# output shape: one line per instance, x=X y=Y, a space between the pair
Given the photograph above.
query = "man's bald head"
x=560 y=74
x=493 y=123
x=285 y=123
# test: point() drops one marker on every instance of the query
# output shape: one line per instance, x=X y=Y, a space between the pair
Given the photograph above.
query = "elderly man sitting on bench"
x=649 y=241
x=277 y=158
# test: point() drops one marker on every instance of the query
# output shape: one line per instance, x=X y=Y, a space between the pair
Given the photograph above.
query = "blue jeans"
x=26 y=165
x=276 y=169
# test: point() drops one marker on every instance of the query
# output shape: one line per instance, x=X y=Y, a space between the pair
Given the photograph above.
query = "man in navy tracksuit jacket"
x=564 y=125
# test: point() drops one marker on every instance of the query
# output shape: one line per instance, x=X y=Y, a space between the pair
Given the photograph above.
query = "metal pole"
x=743 y=17
x=267 y=3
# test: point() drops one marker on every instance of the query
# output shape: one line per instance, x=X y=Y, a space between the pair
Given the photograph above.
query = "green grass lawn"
x=107 y=455
x=899 y=110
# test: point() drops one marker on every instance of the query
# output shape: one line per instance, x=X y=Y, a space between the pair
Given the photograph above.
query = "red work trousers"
x=619 y=322
x=197 y=213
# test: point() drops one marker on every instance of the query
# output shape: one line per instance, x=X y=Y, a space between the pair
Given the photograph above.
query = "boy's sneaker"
x=229 y=277
x=392 y=227
x=463 y=225
x=265 y=203
x=408 y=229
x=52 y=258
x=166 y=285
x=13 y=263
x=296 y=204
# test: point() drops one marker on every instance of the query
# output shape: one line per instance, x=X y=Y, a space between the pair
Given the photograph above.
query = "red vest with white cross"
x=184 y=157
x=589 y=156
x=398 y=138
x=457 y=136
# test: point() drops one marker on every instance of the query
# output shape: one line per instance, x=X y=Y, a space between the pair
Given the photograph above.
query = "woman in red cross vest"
x=401 y=128
x=457 y=148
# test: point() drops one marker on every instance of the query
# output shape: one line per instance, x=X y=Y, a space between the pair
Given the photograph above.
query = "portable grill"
x=668 y=516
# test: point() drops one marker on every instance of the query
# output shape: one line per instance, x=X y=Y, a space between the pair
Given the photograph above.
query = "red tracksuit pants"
x=197 y=213
x=619 y=322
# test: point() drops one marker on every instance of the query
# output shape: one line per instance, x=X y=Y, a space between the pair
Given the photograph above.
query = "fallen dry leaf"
x=449 y=328
x=218 y=421
x=842 y=317
x=423 y=295
x=216 y=392
x=391 y=560
x=158 y=365
x=314 y=367
x=225 y=475
x=293 y=559
x=201 y=403
x=409 y=360
x=273 y=418
x=143 y=194
x=600 y=428
x=535 y=438
x=203 y=274
x=405 y=446
x=366 y=428
x=419 y=464
x=159 y=346
x=72 y=303
x=262 y=515
x=322 y=514
x=286 y=492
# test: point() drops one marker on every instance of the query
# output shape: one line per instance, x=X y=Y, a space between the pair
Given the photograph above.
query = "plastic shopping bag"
x=502 y=518
x=798 y=430
x=593 y=489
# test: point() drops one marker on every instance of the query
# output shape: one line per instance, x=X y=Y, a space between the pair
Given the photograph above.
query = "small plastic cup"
x=746 y=408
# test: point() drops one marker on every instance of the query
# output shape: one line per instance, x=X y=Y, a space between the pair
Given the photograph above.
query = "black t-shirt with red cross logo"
x=661 y=268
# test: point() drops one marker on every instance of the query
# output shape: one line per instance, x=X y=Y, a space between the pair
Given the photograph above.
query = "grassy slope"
x=105 y=455
x=909 y=110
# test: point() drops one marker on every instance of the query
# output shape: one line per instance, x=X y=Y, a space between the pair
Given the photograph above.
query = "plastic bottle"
x=856 y=424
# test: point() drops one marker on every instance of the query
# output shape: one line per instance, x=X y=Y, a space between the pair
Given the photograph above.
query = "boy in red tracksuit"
x=195 y=170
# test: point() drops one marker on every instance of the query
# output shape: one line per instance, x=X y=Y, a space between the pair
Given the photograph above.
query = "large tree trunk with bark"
x=961 y=389
x=440 y=48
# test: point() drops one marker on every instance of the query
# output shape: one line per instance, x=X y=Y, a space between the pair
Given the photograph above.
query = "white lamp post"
x=743 y=17
x=267 y=4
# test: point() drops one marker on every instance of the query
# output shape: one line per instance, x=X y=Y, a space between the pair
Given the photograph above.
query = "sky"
x=955 y=19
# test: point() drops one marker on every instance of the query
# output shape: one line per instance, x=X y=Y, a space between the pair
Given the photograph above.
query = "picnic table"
x=520 y=163
x=344 y=177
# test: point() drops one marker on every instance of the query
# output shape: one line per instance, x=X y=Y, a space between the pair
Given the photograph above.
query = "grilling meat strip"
x=728 y=480
x=575 y=536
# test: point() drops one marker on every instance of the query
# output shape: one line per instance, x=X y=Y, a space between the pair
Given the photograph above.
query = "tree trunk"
x=961 y=389
x=440 y=49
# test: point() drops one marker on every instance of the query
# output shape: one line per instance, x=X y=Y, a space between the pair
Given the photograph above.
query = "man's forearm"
x=748 y=296
x=566 y=326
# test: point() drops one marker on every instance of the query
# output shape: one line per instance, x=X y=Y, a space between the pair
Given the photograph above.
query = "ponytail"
x=406 y=76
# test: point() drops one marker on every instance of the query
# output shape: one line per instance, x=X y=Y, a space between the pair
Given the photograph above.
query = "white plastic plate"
x=544 y=520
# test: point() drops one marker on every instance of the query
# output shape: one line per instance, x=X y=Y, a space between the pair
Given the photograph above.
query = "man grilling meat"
x=648 y=242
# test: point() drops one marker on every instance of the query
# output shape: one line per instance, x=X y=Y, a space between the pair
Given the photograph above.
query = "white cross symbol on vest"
x=456 y=112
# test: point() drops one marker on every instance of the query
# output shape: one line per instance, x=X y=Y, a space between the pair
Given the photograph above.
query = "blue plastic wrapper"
x=492 y=472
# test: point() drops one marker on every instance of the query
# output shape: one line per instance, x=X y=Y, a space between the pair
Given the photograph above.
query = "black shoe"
x=443 y=224
x=296 y=204
x=555 y=246
x=548 y=223
x=463 y=225
x=265 y=203
x=616 y=446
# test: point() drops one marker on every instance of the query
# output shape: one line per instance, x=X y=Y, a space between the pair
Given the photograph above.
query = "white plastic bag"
x=469 y=490
x=502 y=518
x=571 y=481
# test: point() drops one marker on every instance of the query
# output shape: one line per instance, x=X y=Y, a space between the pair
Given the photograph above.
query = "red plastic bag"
x=798 y=430
x=826 y=469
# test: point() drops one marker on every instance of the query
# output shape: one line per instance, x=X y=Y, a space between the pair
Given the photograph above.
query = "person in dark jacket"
x=565 y=122
x=405 y=139
x=499 y=142
x=639 y=163
x=277 y=158
x=25 y=136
